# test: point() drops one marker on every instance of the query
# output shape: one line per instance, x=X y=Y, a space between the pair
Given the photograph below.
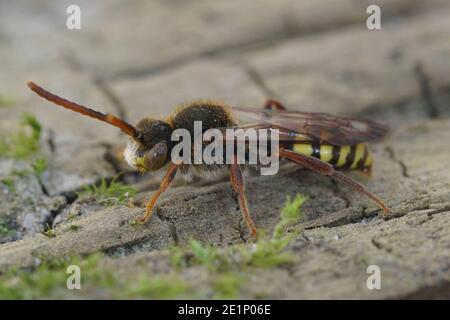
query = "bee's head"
x=150 y=150
x=150 y=142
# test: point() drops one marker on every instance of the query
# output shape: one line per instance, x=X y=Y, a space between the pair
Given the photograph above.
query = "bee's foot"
x=384 y=214
x=138 y=221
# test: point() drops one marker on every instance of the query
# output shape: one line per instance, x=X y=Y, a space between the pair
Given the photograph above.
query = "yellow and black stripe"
x=349 y=157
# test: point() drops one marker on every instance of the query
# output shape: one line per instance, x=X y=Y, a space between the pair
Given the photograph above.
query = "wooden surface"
x=144 y=58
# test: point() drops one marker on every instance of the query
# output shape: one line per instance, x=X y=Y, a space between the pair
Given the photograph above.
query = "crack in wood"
x=171 y=224
x=259 y=81
x=392 y=155
x=425 y=89
x=112 y=97
x=290 y=31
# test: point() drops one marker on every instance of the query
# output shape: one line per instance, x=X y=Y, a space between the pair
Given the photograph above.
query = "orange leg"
x=326 y=169
x=274 y=104
x=165 y=183
x=237 y=181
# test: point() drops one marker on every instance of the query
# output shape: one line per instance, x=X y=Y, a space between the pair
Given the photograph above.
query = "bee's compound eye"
x=156 y=157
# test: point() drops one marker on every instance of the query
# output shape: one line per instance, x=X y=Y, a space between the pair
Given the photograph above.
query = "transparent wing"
x=320 y=127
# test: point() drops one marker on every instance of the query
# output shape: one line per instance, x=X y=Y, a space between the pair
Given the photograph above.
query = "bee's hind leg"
x=237 y=181
x=326 y=169
x=165 y=183
x=274 y=104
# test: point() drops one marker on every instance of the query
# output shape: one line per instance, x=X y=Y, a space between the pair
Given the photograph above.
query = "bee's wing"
x=320 y=127
x=285 y=136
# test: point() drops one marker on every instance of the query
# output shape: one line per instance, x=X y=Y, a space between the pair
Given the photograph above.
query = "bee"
x=325 y=144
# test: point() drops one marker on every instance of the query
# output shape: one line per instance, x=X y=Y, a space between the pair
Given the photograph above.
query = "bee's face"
x=144 y=159
x=152 y=154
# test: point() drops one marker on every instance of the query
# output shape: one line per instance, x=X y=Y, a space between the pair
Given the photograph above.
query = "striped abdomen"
x=350 y=157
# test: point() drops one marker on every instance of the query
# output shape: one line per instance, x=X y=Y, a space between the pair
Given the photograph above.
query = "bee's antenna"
x=108 y=118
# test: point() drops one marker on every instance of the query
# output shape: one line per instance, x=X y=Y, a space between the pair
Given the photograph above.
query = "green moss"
x=109 y=194
x=208 y=256
x=134 y=224
x=5 y=230
x=9 y=182
x=39 y=165
x=269 y=252
x=23 y=143
x=226 y=285
x=50 y=233
x=157 y=287
x=49 y=281
x=74 y=227
x=20 y=172
x=227 y=270
x=265 y=252
x=177 y=256
x=228 y=266
x=290 y=215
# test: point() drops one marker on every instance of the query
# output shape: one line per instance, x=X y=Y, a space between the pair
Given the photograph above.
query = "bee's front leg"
x=165 y=183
